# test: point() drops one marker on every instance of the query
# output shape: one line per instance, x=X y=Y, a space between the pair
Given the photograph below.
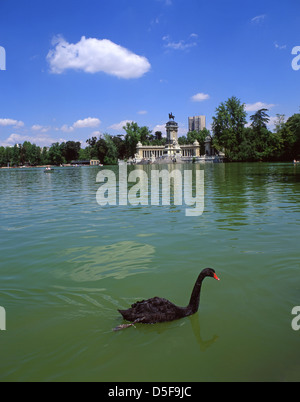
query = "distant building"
x=94 y=162
x=89 y=162
x=197 y=123
x=172 y=152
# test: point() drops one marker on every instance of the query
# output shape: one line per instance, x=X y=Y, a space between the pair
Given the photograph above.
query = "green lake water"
x=67 y=264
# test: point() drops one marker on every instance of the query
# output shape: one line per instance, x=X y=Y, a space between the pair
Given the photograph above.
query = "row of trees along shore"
x=241 y=141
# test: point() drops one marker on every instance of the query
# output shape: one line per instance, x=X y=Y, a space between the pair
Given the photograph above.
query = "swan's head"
x=210 y=272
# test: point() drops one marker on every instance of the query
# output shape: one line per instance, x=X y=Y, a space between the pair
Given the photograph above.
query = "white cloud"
x=272 y=121
x=40 y=140
x=119 y=126
x=252 y=107
x=88 y=122
x=36 y=127
x=280 y=47
x=93 y=55
x=42 y=129
x=180 y=45
x=142 y=112
x=258 y=19
x=182 y=130
x=11 y=122
x=200 y=97
x=67 y=129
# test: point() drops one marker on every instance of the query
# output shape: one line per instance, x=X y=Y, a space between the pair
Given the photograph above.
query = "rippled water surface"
x=67 y=264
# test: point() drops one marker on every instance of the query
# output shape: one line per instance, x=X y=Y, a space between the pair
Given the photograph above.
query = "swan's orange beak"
x=215 y=276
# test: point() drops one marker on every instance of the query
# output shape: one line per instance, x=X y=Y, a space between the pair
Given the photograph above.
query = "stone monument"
x=172 y=148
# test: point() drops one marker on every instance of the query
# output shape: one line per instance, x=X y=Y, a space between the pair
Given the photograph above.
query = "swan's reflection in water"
x=160 y=328
x=195 y=323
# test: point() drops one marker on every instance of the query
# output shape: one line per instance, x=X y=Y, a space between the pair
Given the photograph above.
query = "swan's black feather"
x=158 y=309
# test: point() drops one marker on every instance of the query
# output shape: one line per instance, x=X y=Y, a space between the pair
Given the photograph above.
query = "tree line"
x=33 y=155
x=254 y=142
x=231 y=134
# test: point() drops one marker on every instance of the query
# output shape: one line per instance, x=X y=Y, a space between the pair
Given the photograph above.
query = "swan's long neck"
x=195 y=296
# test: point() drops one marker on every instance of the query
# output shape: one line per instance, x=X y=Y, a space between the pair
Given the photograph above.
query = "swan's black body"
x=158 y=309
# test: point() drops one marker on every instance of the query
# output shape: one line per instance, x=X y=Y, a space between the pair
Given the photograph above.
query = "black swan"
x=158 y=309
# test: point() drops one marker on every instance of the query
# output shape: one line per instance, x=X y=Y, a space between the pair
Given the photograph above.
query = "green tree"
x=120 y=144
x=99 y=150
x=247 y=150
x=55 y=155
x=91 y=142
x=36 y=155
x=228 y=126
x=279 y=122
x=132 y=137
x=44 y=156
x=70 y=150
x=199 y=136
x=92 y=148
x=25 y=153
x=111 y=157
x=182 y=140
x=158 y=135
x=260 y=119
x=293 y=125
x=3 y=161
x=14 y=155
x=134 y=134
x=84 y=154
x=262 y=139
x=145 y=135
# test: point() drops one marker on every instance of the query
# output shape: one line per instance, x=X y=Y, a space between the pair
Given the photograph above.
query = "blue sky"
x=74 y=69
